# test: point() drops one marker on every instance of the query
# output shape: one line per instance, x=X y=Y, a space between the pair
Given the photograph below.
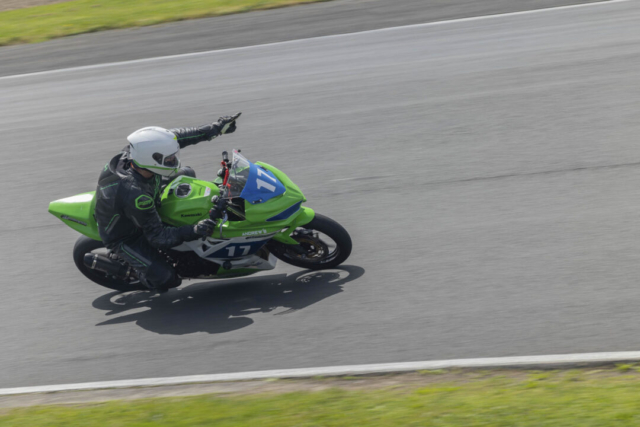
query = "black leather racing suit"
x=128 y=221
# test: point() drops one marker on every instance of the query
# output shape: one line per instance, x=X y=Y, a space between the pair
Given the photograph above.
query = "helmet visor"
x=172 y=160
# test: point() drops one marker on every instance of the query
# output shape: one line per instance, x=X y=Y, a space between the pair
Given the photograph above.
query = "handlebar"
x=219 y=207
x=219 y=211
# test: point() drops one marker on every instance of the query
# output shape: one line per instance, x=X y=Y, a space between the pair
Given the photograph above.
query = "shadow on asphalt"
x=223 y=306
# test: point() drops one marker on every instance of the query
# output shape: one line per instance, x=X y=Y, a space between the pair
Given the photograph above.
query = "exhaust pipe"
x=106 y=265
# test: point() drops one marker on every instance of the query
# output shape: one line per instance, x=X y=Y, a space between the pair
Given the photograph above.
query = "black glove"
x=204 y=228
x=219 y=206
x=227 y=124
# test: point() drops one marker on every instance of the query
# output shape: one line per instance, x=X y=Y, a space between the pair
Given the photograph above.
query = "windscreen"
x=238 y=175
x=253 y=183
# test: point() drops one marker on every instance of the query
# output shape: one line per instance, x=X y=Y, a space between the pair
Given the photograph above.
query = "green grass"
x=40 y=23
x=573 y=398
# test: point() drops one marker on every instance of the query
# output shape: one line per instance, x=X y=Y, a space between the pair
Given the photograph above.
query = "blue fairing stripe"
x=286 y=213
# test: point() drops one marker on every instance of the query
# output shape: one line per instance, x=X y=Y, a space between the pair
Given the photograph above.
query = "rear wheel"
x=323 y=243
x=86 y=245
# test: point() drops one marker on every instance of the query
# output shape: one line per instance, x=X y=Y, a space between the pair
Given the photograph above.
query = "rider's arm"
x=193 y=135
x=190 y=136
x=140 y=208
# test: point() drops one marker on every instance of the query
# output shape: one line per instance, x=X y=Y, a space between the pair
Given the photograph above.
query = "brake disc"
x=311 y=243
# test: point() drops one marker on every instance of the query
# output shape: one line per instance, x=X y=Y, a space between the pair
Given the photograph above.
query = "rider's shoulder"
x=118 y=165
x=137 y=195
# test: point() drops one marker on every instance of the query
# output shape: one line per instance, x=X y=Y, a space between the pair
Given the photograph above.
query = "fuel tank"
x=186 y=201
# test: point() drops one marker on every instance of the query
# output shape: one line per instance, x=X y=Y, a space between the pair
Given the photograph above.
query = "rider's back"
x=120 y=189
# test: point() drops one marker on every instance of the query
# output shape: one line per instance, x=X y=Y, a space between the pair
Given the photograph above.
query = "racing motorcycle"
x=259 y=216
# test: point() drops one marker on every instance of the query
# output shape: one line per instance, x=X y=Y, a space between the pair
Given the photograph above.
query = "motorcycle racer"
x=128 y=194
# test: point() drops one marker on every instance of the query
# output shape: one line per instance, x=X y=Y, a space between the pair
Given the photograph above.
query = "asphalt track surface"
x=248 y=29
x=486 y=169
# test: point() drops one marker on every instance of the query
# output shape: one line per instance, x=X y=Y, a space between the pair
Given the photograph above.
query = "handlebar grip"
x=222 y=204
x=225 y=156
x=214 y=214
x=219 y=206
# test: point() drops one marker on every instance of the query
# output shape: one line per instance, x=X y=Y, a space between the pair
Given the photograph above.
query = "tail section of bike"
x=77 y=213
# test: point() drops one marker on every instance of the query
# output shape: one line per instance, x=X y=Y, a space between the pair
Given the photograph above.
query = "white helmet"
x=156 y=149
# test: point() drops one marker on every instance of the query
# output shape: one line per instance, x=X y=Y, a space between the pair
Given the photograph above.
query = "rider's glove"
x=219 y=206
x=226 y=124
x=204 y=228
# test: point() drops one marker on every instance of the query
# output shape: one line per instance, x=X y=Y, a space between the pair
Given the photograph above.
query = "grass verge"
x=40 y=23
x=558 y=398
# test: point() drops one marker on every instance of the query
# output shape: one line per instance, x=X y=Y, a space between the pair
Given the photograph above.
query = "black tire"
x=322 y=257
x=84 y=245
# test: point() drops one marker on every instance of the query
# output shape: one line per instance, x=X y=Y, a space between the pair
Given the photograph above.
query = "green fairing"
x=178 y=211
x=78 y=212
x=305 y=216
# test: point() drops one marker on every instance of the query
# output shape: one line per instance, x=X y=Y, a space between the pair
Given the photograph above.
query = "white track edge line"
x=558 y=360
x=402 y=27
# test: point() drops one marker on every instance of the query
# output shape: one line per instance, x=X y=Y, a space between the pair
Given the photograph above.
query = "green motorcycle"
x=259 y=219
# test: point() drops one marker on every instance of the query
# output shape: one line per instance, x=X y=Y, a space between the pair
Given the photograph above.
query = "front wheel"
x=86 y=245
x=323 y=244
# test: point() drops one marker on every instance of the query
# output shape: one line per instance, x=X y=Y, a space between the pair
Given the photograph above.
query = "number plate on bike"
x=237 y=250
